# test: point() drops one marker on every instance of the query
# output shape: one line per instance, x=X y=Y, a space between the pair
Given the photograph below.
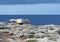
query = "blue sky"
x=32 y=9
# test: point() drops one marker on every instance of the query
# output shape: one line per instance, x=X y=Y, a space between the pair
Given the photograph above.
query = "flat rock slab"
x=4 y=36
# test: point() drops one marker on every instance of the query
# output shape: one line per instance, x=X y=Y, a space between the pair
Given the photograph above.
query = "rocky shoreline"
x=18 y=31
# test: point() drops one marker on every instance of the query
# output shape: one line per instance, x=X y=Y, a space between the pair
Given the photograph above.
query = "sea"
x=34 y=19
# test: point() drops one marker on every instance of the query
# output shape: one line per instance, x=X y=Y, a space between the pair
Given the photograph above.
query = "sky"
x=31 y=9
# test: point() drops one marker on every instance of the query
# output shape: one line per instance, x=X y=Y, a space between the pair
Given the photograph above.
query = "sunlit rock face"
x=19 y=21
x=27 y=1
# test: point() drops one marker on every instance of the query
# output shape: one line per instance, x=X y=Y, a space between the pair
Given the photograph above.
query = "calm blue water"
x=34 y=19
